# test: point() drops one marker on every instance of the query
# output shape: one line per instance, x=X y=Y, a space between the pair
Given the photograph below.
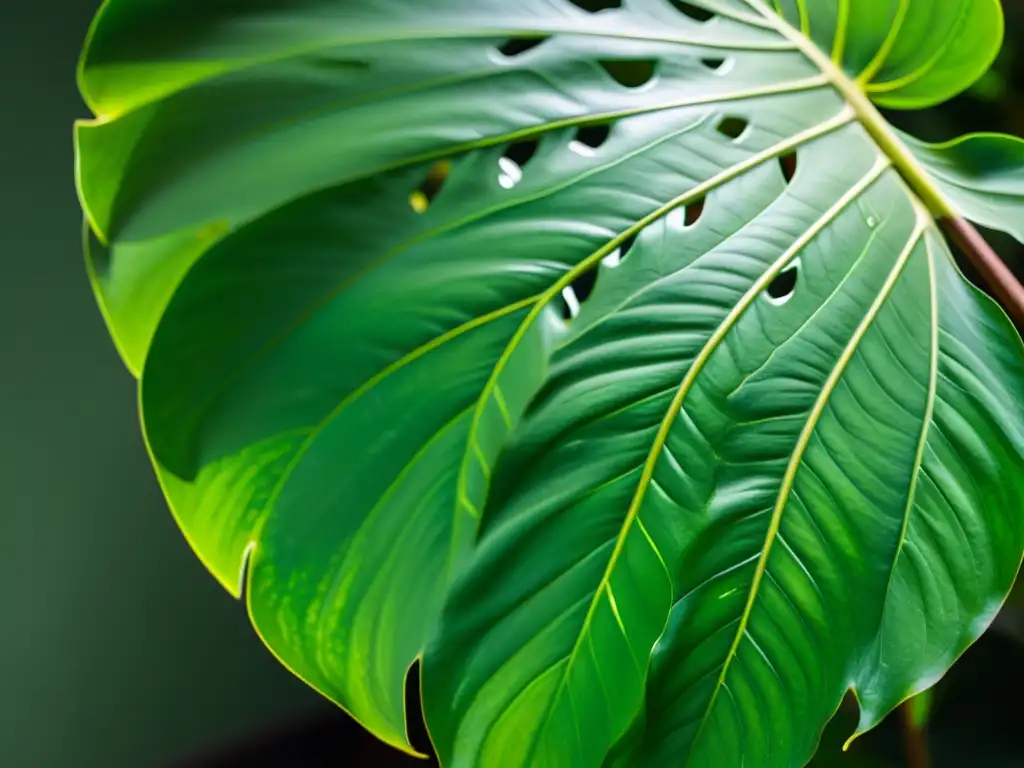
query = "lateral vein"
x=796 y=459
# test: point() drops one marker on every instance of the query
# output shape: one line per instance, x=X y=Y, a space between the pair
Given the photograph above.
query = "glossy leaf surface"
x=605 y=355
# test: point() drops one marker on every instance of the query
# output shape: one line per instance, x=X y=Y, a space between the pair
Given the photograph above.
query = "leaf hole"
x=781 y=289
x=788 y=164
x=589 y=138
x=575 y=295
x=522 y=151
x=693 y=11
x=714 y=64
x=570 y=304
x=596 y=6
x=509 y=173
x=613 y=259
x=693 y=211
x=626 y=247
x=583 y=286
x=733 y=127
x=511 y=164
x=424 y=195
x=517 y=46
x=631 y=73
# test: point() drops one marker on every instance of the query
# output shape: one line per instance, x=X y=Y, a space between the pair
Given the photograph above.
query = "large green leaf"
x=772 y=456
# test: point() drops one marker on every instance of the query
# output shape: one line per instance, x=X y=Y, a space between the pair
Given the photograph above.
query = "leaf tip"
x=849 y=741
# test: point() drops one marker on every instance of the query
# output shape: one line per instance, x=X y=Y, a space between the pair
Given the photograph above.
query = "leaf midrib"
x=907 y=165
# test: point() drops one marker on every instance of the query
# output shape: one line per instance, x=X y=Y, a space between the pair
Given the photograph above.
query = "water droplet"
x=872 y=222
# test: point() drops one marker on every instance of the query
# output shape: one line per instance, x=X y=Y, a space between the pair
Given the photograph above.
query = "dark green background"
x=116 y=647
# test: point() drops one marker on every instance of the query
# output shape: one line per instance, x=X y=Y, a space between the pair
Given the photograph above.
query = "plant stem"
x=1001 y=281
x=914 y=741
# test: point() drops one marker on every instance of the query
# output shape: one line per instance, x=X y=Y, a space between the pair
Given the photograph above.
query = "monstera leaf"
x=605 y=355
